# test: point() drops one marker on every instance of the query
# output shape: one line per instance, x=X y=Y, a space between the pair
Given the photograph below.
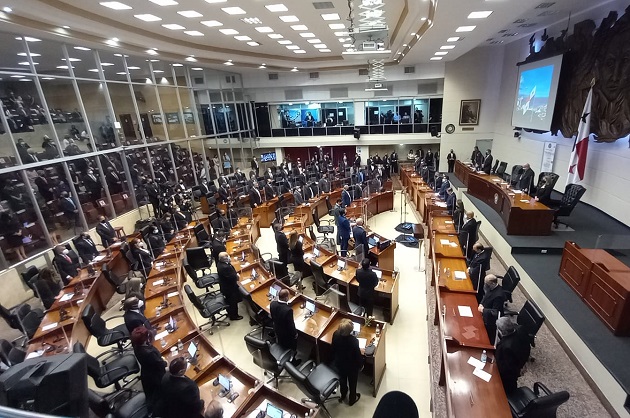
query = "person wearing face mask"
x=179 y=395
x=239 y=176
x=67 y=267
x=268 y=174
x=297 y=196
x=218 y=245
x=156 y=241
x=477 y=267
x=487 y=162
x=152 y=365
x=512 y=352
x=228 y=284
x=180 y=219
x=491 y=305
x=134 y=315
x=468 y=234
x=92 y=184
x=255 y=198
x=106 y=231
x=180 y=187
x=142 y=255
x=86 y=247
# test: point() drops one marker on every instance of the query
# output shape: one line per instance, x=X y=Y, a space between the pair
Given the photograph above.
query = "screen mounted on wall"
x=536 y=94
x=268 y=156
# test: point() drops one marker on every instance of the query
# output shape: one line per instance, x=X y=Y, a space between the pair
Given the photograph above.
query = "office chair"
x=271 y=357
x=513 y=177
x=103 y=406
x=258 y=317
x=554 y=178
x=27 y=275
x=572 y=195
x=24 y=319
x=396 y=404
x=104 y=336
x=348 y=306
x=113 y=372
x=329 y=206
x=210 y=307
x=311 y=233
x=501 y=169
x=11 y=355
x=205 y=281
x=317 y=382
x=509 y=282
x=199 y=259
x=203 y=238
x=531 y=319
x=494 y=168
x=539 y=403
x=322 y=229
x=122 y=285
x=320 y=284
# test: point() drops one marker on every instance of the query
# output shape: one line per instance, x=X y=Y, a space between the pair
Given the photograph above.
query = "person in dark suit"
x=141 y=255
x=324 y=184
x=106 y=231
x=156 y=241
x=224 y=192
x=69 y=209
x=360 y=237
x=179 y=395
x=367 y=282
x=47 y=286
x=451 y=158
x=444 y=186
x=228 y=284
x=67 y=268
x=221 y=223
x=270 y=192
x=86 y=247
x=347 y=360
x=458 y=214
x=217 y=245
x=468 y=234
x=204 y=190
x=297 y=196
x=180 y=219
x=152 y=365
x=451 y=201
x=296 y=251
x=512 y=352
x=255 y=199
x=134 y=315
x=154 y=196
x=283 y=324
x=43 y=186
x=343 y=231
x=526 y=180
x=240 y=176
x=491 y=304
x=477 y=266
x=255 y=166
x=114 y=181
x=543 y=194
x=346 y=199
x=487 y=162
x=92 y=184
x=282 y=244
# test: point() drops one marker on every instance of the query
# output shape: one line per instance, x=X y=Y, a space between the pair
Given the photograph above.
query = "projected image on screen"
x=536 y=94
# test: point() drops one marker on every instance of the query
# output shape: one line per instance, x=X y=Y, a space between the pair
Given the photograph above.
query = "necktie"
x=67 y=258
x=70 y=200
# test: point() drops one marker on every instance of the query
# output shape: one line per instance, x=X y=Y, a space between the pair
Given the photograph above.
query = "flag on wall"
x=577 y=162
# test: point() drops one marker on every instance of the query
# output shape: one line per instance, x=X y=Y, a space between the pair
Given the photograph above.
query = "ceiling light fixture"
x=293 y=47
x=48 y=78
x=447 y=47
x=441 y=53
x=197 y=69
x=193 y=33
x=191 y=59
x=28 y=39
x=453 y=39
x=228 y=31
x=189 y=13
x=295 y=70
x=331 y=16
x=277 y=7
x=324 y=50
x=336 y=26
x=32 y=54
x=93 y=70
x=242 y=38
x=212 y=23
x=147 y=17
x=7 y=9
x=262 y=66
x=465 y=29
x=285 y=42
x=320 y=46
x=177 y=65
x=173 y=26
x=72 y=59
x=216 y=1
x=341 y=33
x=436 y=58
x=314 y=41
x=275 y=36
x=307 y=35
x=229 y=62
x=82 y=48
x=299 y=27
x=253 y=43
x=289 y=19
x=116 y=5
x=133 y=67
x=234 y=10
x=17 y=76
x=106 y=64
x=252 y=20
x=480 y=15
x=264 y=29
x=299 y=51
x=151 y=52
x=164 y=2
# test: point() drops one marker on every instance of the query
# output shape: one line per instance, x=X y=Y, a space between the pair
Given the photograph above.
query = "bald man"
x=228 y=284
x=468 y=234
x=526 y=179
x=360 y=236
x=283 y=324
x=179 y=395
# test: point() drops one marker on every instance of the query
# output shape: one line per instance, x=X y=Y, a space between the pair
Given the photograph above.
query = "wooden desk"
x=444 y=269
x=386 y=255
x=249 y=283
x=263 y=394
x=461 y=330
x=241 y=382
x=445 y=246
x=441 y=224
x=153 y=305
x=374 y=204
x=315 y=325
x=266 y=211
x=185 y=327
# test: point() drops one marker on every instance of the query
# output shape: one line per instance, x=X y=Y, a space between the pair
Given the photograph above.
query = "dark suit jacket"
x=179 y=398
x=180 y=220
x=152 y=370
x=346 y=199
x=224 y=193
x=544 y=194
x=283 y=324
x=451 y=200
x=255 y=198
x=269 y=192
x=343 y=227
x=156 y=244
x=360 y=237
x=526 y=181
x=282 y=245
x=66 y=268
x=86 y=249
x=217 y=248
x=297 y=198
x=68 y=207
x=106 y=232
x=511 y=355
x=487 y=164
x=493 y=300
x=467 y=235
x=228 y=281
x=346 y=353
x=47 y=291
x=134 y=320
x=367 y=282
x=478 y=266
x=324 y=186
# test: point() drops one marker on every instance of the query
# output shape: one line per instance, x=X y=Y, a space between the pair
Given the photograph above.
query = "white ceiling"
x=92 y=24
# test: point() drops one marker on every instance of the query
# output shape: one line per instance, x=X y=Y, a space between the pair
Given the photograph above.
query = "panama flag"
x=532 y=94
x=577 y=162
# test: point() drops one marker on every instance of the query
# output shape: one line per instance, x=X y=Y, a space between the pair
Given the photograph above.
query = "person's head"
x=342 y=212
x=132 y=303
x=293 y=239
x=478 y=247
x=488 y=152
x=506 y=326
x=178 y=366
x=214 y=410
x=90 y=171
x=490 y=282
x=451 y=149
x=526 y=166
x=345 y=187
x=547 y=180
x=48 y=274
x=141 y=336
x=470 y=214
x=338 y=201
x=85 y=235
x=476 y=148
x=277 y=227
x=224 y=257
x=345 y=327
x=365 y=264
x=20 y=141
x=64 y=194
x=60 y=249
x=449 y=191
x=360 y=221
x=459 y=204
x=283 y=295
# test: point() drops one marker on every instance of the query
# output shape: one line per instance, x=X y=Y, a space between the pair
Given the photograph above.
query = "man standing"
x=297 y=197
x=67 y=268
x=487 y=162
x=343 y=230
x=255 y=166
x=179 y=395
x=228 y=284
x=106 y=231
x=134 y=315
x=156 y=241
x=255 y=199
x=86 y=247
x=283 y=324
x=346 y=199
x=324 y=184
x=270 y=193
x=360 y=237
x=451 y=158
x=491 y=305
x=512 y=352
x=526 y=180
x=367 y=282
x=393 y=159
x=468 y=234
x=282 y=244
x=92 y=184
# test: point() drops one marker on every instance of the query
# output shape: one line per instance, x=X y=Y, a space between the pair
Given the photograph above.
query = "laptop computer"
x=372 y=242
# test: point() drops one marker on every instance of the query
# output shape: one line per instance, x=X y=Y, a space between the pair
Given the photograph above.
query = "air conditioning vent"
x=313 y=75
x=508 y=35
x=549 y=13
x=527 y=25
x=427 y=88
x=338 y=92
x=198 y=80
x=410 y=69
x=293 y=94
x=503 y=31
x=321 y=5
x=273 y=76
x=545 y=5
x=364 y=71
x=520 y=21
x=496 y=42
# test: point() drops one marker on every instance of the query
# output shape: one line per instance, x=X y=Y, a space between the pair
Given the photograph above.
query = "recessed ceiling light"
x=276 y=7
x=228 y=62
x=63 y=67
x=314 y=41
x=413 y=34
x=164 y=2
x=177 y=65
x=65 y=27
x=115 y=39
x=106 y=64
x=289 y=18
x=151 y=52
x=189 y=13
x=293 y=47
x=324 y=50
x=295 y=69
x=441 y=53
x=17 y=76
x=285 y=42
x=48 y=78
x=216 y=1
x=133 y=68
x=111 y=42
x=320 y=46
x=275 y=36
x=242 y=38
x=346 y=45
x=436 y=58
x=121 y=73
x=423 y=19
x=28 y=39
x=25 y=79
x=116 y=5
x=307 y=34
x=330 y=16
x=253 y=43
x=299 y=27
x=341 y=33
x=173 y=26
x=147 y=17
x=480 y=15
x=251 y=20
x=465 y=29
x=72 y=59
x=262 y=66
x=158 y=71
x=197 y=69
x=93 y=70
x=447 y=47
x=82 y=48
x=24 y=63
x=7 y=9
x=212 y=23
x=234 y=10
x=32 y=54
x=264 y=29
x=228 y=31
x=453 y=39
x=335 y=26
x=299 y=51
x=193 y=33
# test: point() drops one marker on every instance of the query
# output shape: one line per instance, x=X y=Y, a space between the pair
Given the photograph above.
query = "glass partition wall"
x=81 y=130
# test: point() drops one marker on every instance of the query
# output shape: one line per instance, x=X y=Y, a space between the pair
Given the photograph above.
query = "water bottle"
x=180 y=345
x=163 y=342
x=243 y=255
x=484 y=356
x=378 y=330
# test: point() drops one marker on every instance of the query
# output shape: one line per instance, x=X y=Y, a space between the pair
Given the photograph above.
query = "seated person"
x=156 y=241
x=179 y=395
x=492 y=304
x=134 y=314
x=543 y=194
x=512 y=352
x=47 y=286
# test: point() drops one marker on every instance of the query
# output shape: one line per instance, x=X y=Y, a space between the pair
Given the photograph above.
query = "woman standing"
x=152 y=365
x=297 y=253
x=13 y=232
x=47 y=286
x=348 y=360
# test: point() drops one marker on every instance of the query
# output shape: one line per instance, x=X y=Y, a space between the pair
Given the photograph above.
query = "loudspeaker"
x=356 y=133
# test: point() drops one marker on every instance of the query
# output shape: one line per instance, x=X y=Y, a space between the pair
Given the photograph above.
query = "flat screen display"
x=341 y=264
x=536 y=94
x=310 y=306
x=225 y=382
x=273 y=411
x=268 y=156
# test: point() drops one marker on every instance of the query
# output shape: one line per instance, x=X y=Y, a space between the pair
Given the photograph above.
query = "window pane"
x=421 y=110
x=183 y=164
x=170 y=106
x=51 y=60
x=91 y=189
x=149 y=112
x=190 y=116
x=125 y=113
x=97 y=113
x=117 y=182
x=113 y=66
x=86 y=68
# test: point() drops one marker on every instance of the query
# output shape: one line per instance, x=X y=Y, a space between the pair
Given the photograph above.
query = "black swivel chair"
x=271 y=357
x=323 y=229
x=554 y=178
x=11 y=355
x=501 y=169
x=258 y=317
x=572 y=195
x=102 y=406
x=396 y=404
x=531 y=319
x=317 y=382
x=203 y=238
x=351 y=307
x=537 y=403
x=98 y=328
x=121 y=284
x=509 y=282
x=321 y=284
x=209 y=306
x=27 y=275
x=203 y=281
x=512 y=178
x=111 y=373
x=24 y=319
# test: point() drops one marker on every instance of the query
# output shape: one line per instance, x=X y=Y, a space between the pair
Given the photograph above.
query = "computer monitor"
x=341 y=264
x=225 y=382
x=254 y=274
x=310 y=306
x=274 y=290
x=192 y=350
x=301 y=239
x=356 y=328
x=372 y=242
x=378 y=273
x=273 y=411
x=172 y=324
x=316 y=252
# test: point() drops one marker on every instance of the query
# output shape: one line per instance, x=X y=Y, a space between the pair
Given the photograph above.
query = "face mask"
x=155 y=231
x=65 y=252
x=140 y=304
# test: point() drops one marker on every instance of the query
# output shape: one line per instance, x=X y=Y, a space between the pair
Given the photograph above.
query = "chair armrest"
x=113 y=317
x=328 y=221
x=310 y=365
x=125 y=368
x=538 y=386
x=510 y=313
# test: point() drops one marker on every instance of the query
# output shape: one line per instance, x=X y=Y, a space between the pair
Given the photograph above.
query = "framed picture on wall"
x=469 y=112
x=189 y=117
x=156 y=118
x=172 y=117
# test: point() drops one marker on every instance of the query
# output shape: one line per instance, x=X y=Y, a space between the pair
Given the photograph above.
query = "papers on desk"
x=465 y=311
x=246 y=282
x=448 y=222
x=161 y=335
x=49 y=326
x=170 y=295
x=496 y=180
x=35 y=354
x=482 y=374
x=460 y=275
x=476 y=363
x=440 y=204
x=453 y=244
x=517 y=191
x=98 y=258
x=524 y=201
x=66 y=297
x=158 y=282
x=245 y=264
x=362 y=342
x=445 y=242
x=159 y=264
x=309 y=255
